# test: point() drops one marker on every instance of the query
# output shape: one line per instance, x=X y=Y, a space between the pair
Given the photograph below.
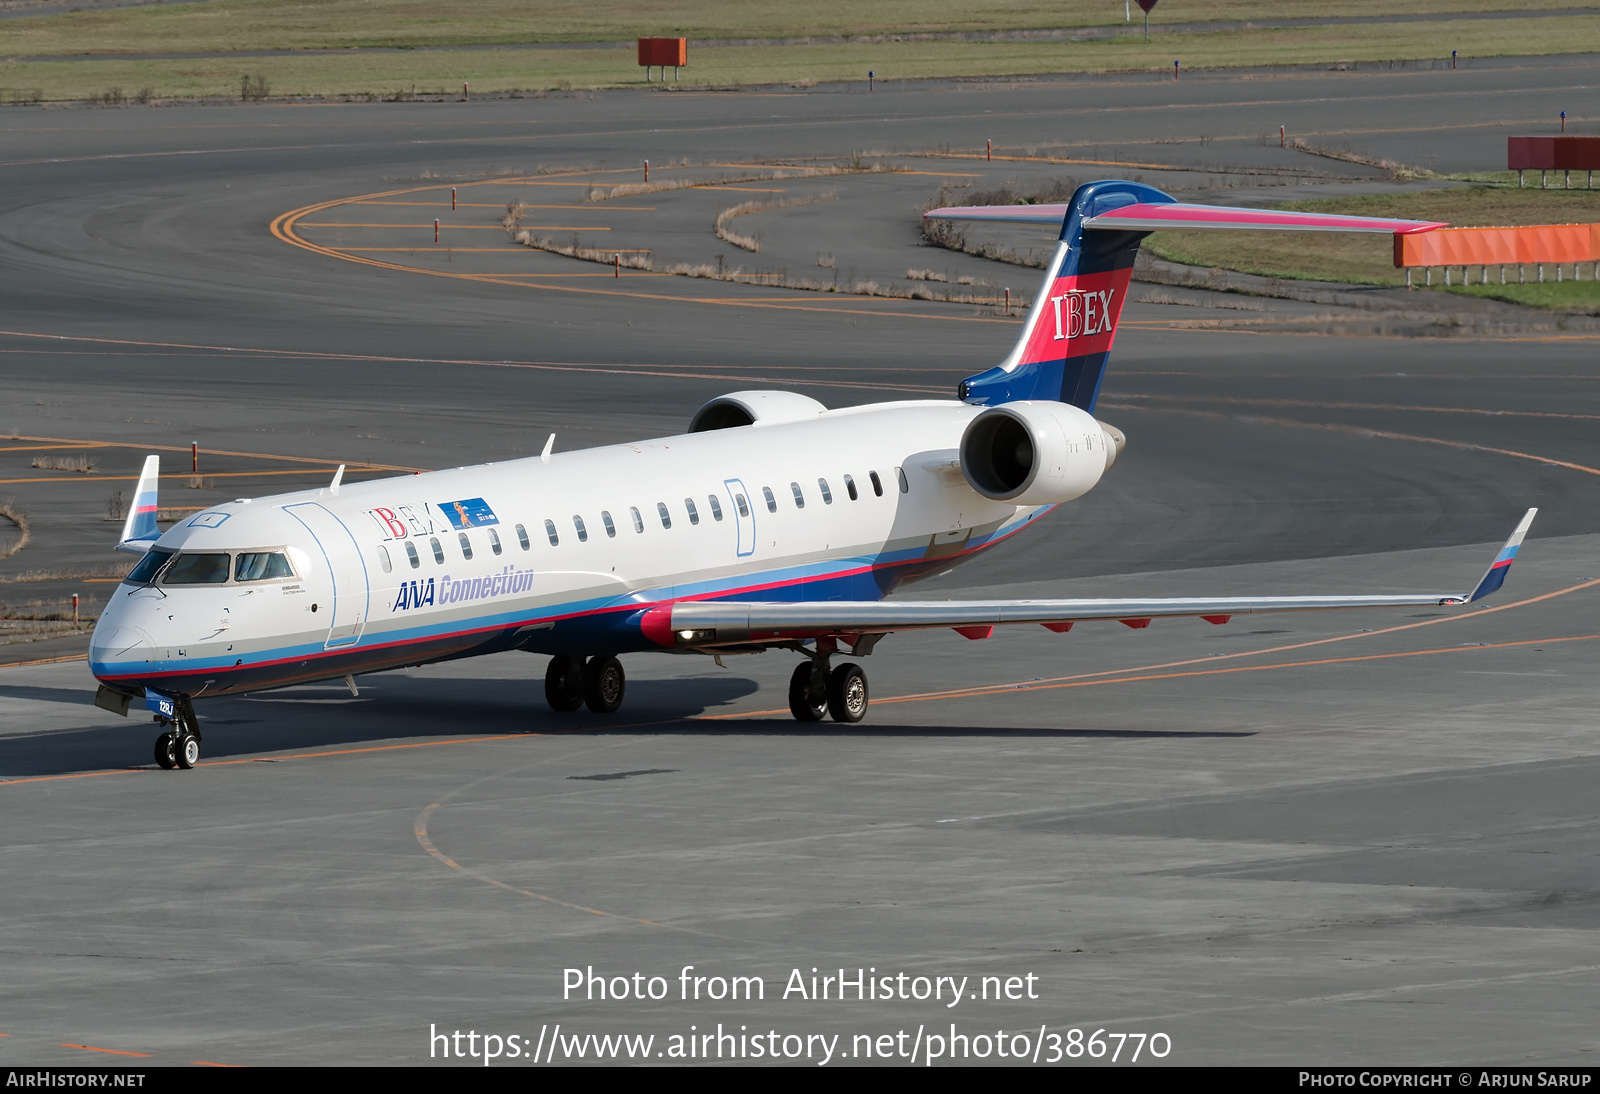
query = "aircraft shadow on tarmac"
x=401 y=710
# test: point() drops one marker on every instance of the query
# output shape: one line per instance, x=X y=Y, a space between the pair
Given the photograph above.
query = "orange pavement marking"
x=587 y=206
x=48 y=660
x=1231 y=400
x=991 y=689
x=210 y=1063
x=420 y=830
x=112 y=1051
x=1364 y=431
x=69 y=443
x=283 y=228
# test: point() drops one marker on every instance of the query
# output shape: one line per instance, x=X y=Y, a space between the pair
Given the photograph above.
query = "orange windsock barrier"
x=1499 y=246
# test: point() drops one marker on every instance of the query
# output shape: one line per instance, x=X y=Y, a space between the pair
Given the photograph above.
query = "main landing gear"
x=179 y=745
x=815 y=690
x=572 y=682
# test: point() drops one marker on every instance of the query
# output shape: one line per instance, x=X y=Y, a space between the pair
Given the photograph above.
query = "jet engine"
x=1037 y=452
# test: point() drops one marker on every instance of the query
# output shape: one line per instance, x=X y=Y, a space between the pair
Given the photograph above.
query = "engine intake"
x=1036 y=452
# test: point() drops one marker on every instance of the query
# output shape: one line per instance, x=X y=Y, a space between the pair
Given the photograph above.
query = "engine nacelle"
x=755 y=408
x=1036 y=452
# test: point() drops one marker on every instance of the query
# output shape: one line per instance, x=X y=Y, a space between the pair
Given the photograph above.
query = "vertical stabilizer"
x=139 y=531
x=1069 y=330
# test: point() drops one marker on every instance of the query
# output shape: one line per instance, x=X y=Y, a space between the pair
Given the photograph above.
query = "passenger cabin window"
x=611 y=529
x=877 y=484
x=383 y=558
x=666 y=517
x=522 y=536
x=550 y=530
x=638 y=521
x=905 y=487
x=494 y=541
x=694 y=514
x=744 y=508
x=466 y=545
x=411 y=554
x=583 y=533
x=827 y=495
x=197 y=569
x=772 y=502
x=799 y=498
x=438 y=551
x=150 y=565
x=716 y=506
x=850 y=487
x=274 y=565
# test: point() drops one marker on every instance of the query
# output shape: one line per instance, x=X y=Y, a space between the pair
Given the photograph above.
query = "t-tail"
x=1067 y=336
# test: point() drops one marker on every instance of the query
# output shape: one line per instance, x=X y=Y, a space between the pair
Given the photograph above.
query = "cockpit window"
x=266 y=566
x=150 y=565
x=198 y=569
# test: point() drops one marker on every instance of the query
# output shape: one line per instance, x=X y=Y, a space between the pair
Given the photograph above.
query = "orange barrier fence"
x=1539 y=243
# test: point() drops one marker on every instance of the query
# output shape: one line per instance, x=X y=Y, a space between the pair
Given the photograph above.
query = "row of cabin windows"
x=553 y=535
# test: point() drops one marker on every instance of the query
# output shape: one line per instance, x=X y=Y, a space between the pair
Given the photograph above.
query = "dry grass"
x=825 y=260
x=33 y=576
x=633 y=260
x=1395 y=169
x=753 y=243
x=64 y=463
x=926 y=275
x=24 y=533
x=313 y=31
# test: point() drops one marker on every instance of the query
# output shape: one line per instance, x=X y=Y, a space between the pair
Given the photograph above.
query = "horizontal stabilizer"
x=140 y=530
x=1152 y=217
x=1010 y=214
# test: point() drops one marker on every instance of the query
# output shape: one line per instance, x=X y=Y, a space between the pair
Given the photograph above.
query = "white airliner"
x=773 y=523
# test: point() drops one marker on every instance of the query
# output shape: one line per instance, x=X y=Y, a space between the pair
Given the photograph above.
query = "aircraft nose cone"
x=116 y=642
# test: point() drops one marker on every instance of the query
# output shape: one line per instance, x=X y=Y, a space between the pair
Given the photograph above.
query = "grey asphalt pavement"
x=1365 y=839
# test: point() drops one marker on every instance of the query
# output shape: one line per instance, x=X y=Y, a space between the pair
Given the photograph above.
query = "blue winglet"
x=140 y=530
x=1495 y=576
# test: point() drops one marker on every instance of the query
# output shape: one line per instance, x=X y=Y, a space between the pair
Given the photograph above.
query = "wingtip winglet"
x=140 y=530
x=1495 y=575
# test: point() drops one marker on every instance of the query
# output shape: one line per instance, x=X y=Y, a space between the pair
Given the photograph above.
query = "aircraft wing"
x=720 y=622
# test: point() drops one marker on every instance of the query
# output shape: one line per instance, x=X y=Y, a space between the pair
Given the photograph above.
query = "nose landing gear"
x=179 y=746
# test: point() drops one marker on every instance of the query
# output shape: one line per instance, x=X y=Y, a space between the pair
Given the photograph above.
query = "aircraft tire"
x=186 y=751
x=563 y=683
x=166 y=754
x=847 y=694
x=604 y=684
x=808 y=693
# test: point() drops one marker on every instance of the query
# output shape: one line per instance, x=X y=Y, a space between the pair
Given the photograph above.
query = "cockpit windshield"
x=262 y=566
x=198 y=569
x=150 y=565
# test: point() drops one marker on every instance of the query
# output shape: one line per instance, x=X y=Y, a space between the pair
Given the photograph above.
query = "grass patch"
x=384 y=75
x=229 y=25
x=1362 y=259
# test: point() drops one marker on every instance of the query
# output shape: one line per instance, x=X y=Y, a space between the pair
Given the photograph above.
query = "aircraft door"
x=744 y=516
x=342 y=556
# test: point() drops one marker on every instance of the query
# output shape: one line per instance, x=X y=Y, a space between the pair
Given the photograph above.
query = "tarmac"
x=1364 y=839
